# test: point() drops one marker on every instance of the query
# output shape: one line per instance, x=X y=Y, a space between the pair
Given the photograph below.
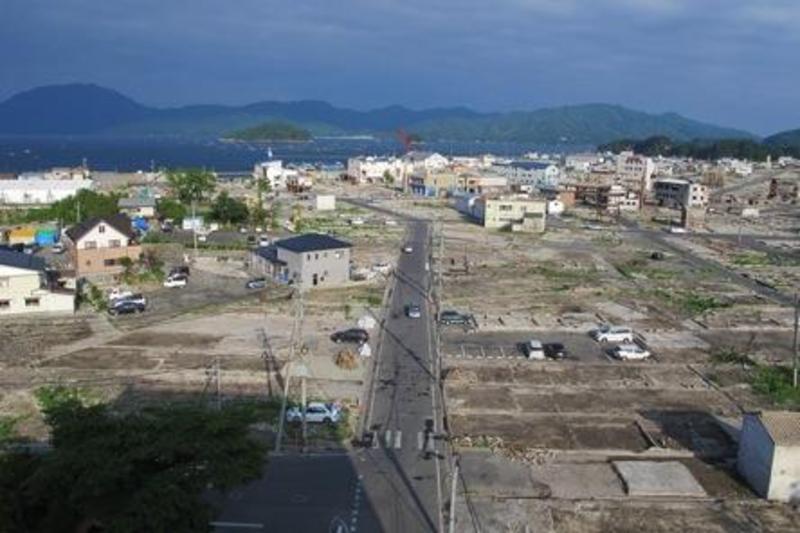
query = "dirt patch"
x=103 y=359
x=161 y=339
x=23 y=338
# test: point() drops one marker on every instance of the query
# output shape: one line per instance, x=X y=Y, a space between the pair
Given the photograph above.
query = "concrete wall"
x=327 y=268
x=785 y=483
x=755 y=456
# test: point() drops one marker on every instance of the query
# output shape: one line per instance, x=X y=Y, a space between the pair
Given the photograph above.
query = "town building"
x=528 y=173
x=680 y=193
x=517 y=213
x=483 y=184
x=309 y=260
x=769 y=454
x=736 y=166
x=635 y=171
x=418 y=161
x=582 y=163
x=26 y=287
x=140 y=206
x=433 y=184
x=324 y=202
x=276 y=175
x=609 y=198
x=40 y=191
x=375 y=169
x=97 y=245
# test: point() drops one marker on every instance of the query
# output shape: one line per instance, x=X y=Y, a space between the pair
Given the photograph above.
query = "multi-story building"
x=310 y=260
x=375 y=169
x=530 y=173
x=517 y=213
x=435 y=183
x=425 y=161
x=610 y=198
x=276 y=175
x=635 y=171
x=26 y=286
x=138 y=206
x=680 y=193
x=97 y=245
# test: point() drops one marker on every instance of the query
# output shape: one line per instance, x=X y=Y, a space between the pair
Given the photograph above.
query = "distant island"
x=271 y=131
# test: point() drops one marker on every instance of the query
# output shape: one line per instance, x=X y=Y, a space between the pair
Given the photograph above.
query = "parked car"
x=413 y=311
x=58 y=248
x=126 y=307
x=533 y=349
x=677 y=230
x=137 y=298
x=555 y=350
x=407 y=249
x=351 y=335
x=264 y=241
x=448 y=318
x=609 y=333
x=256 y=283
x=631 y=351
x=179 y=270
x=118 y=294
x=176 y=281
x=316 y=413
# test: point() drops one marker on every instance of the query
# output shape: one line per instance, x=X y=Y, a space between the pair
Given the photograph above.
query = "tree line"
x=705 y=149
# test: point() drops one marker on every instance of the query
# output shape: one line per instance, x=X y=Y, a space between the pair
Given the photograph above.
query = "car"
x=316 y=413
x=58 y=248
x=609 y=333
x=176 y=281
x=126 y=307
x=533 y=349
x=407 y=249
x=356 y=335
x=118 y=294
x=413 y=311
x=257 y=283
x=627 y=352
x=390 y=222
x=555 y=350
x=264 y=241
x=137 y=298
x=30 y=249
x=452 y=317
x=179 y=270
x=166 y=227
x=677 y=230
x=202 y=237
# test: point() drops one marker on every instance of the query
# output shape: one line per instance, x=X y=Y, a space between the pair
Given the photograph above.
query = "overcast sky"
x=732 y=62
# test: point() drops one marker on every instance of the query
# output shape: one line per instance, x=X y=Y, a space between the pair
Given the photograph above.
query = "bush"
x=775 y=382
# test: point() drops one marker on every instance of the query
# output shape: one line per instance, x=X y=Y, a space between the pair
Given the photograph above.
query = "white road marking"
x=398 y=440
x=388 y=438
x=240 y=525
x=375 y=439
x=420 y=440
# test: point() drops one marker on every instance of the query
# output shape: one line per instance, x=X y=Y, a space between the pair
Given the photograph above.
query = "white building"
x=25 y=287
x=324 y=202
x=528 y=173
x=425 y=161
x=375 y=169
x=679 y=193
x=737 y=166
x=274 y=173
x=769 y=454
x=40 y=191
x=635 y=171
x=582 y=162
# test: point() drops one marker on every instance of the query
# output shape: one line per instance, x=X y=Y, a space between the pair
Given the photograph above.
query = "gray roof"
x=136 y=202
x=22 y=260
x=312 y=242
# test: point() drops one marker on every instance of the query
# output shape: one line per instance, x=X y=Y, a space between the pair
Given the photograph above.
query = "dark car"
x=555 y=350
x=452 y=317
x=126 y=307
x=413 y=311
x=179 y=270
x=351 y=335
x=256 y=283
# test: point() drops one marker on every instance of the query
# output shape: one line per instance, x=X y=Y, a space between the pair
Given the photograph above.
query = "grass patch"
x=690 y=303
x=730 y=355
x=8 y=428
x=775 y=383
x=562 y=274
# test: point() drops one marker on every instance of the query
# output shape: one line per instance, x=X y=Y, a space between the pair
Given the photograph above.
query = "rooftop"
x=21 y=260
x=120 y=222
x=312 y=242
x=148 y=201
x=783 y=427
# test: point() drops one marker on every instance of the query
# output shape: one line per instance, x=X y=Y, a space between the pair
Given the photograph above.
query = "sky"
x=731 y=62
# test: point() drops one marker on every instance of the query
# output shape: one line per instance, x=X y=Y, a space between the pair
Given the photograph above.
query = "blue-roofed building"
x=309 y=260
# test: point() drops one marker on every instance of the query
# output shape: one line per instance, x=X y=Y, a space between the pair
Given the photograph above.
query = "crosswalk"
x=393 y=440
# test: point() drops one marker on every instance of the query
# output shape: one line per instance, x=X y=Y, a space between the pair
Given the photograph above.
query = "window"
x=109 y=262
x=5 y=304
x=114 y=243
x=90 y=245
x=505 y=208
x=101 y=228
x=4 y=281
x=308 y=257
x=338 y=254
x=316 y=256
x=31 y=302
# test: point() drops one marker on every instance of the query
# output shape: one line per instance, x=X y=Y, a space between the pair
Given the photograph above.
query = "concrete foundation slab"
x=656 y=478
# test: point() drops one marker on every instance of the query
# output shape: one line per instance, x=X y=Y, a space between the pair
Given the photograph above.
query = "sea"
x=23 y=154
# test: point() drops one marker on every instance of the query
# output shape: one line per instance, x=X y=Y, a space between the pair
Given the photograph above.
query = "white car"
x=316 y=413
x=390 y=222
x=358 y=221
x=678 y=230
x=628 y=352
x=407 y=249
x=118 y=294
x=176 y=282
x=613 y=334
x=533 y=349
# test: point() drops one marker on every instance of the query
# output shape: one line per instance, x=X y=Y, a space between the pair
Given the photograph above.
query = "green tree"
x=128 y=473
x=171 y=208
x=228 y=210
x=191 y=185
x=275 y=213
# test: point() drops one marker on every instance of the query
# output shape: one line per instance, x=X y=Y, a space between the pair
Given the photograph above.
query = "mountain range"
x=87 y=109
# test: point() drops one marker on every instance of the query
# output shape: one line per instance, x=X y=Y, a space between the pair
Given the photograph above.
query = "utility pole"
x=194 y=225
x=794 y=342
x=217 y=378
x=296 y=337
x=453 y=485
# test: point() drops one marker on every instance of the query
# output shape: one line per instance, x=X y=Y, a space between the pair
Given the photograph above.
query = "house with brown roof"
x=97 y=245
x=769 y=454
